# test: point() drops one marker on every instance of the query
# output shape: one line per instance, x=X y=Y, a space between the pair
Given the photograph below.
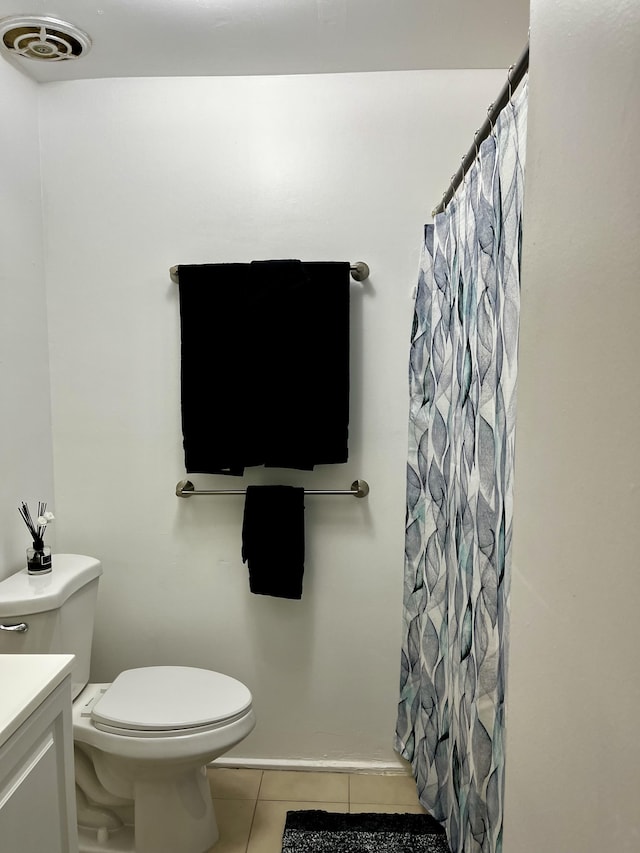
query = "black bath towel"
x=273 y=540
x=265 y=365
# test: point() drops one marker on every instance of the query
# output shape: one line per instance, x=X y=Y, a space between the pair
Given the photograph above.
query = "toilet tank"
x=57 y=609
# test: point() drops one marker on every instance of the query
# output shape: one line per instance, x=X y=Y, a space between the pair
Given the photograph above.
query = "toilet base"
x=170 y=813
x=175 y=814
x=123 y=840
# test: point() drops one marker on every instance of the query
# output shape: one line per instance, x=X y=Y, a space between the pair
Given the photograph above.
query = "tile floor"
x=251 y=805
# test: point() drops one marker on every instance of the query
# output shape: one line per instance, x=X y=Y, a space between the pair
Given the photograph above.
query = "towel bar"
x=359 y=272
x=186 y=489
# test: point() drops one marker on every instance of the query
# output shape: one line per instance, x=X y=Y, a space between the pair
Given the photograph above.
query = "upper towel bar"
x=359 y=272
x=359 y=489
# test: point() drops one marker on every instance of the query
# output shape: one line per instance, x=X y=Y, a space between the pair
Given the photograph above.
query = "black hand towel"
x=273 y=540
x=265 y=365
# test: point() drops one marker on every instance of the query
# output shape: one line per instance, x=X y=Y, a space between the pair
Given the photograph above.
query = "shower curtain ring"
x=489 y=109
x=511 y=67
x=475 y=143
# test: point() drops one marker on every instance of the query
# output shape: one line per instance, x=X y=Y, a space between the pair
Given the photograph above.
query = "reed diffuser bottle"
x=39 y=555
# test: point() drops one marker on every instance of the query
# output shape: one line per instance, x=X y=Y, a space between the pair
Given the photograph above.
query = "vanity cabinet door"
x=37 y=792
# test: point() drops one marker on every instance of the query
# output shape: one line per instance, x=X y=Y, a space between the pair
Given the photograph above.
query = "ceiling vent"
x=45 y=39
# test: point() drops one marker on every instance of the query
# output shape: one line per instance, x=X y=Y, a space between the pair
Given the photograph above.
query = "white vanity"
x=37 y=798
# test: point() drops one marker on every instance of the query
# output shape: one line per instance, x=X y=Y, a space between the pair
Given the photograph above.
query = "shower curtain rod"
x=359 y=489
x=515 y=76
x=359 y=272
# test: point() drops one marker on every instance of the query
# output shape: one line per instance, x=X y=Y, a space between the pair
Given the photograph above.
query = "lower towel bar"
x=186 y=489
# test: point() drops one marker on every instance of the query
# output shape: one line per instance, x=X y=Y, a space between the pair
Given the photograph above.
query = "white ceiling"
x=151 y=38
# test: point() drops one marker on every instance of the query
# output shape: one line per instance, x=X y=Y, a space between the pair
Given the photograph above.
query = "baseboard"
x=390 y=767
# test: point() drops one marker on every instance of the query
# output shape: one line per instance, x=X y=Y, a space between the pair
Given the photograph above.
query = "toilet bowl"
x=141 y=743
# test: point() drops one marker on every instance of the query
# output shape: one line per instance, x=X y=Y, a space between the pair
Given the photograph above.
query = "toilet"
x=141 y=743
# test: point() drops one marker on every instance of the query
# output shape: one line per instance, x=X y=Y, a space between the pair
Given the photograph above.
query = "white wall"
x=25 y=416
x=143 y=174
x=573 y=750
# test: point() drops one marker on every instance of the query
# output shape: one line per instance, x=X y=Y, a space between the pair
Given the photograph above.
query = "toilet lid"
x=160 y=698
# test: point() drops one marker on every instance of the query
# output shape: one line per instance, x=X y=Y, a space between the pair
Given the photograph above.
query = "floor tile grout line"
x=255 y=809
x=260 y=785
x=253 y=819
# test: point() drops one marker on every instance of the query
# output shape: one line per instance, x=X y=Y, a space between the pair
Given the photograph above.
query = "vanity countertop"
x=25 y=681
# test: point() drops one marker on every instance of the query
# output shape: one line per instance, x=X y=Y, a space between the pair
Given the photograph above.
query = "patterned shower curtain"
x=463 y=363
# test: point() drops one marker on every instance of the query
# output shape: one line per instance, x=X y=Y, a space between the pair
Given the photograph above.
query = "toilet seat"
x=168 y=701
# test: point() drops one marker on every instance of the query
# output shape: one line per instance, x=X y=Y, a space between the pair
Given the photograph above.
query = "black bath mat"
x=328 y=832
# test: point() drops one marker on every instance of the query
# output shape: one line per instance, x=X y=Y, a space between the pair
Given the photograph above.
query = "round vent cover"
x=45 y=39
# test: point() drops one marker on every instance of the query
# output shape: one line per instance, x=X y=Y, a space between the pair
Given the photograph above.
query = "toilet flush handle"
x=19 y=628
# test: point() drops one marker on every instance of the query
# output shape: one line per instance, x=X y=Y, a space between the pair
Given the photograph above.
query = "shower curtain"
x=462 y=373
